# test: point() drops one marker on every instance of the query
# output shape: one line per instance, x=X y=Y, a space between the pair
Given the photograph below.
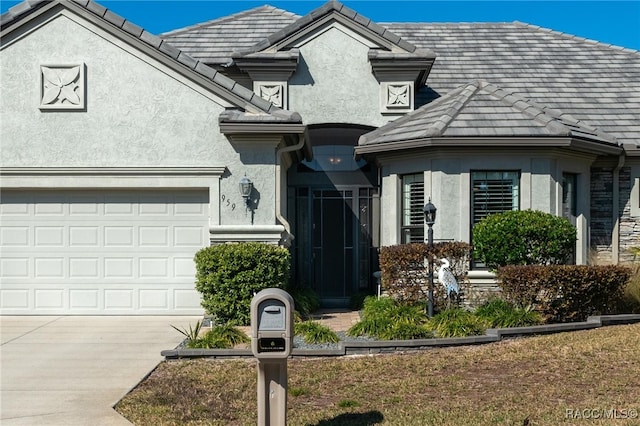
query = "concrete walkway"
x=59 y=370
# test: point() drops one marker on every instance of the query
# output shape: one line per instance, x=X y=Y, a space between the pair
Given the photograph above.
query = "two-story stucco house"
x=123 y=152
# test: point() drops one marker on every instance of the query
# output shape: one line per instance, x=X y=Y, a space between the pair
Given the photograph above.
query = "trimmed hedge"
x=228 y=275
x=564 y=293
x=405 y=271
x=526 y=237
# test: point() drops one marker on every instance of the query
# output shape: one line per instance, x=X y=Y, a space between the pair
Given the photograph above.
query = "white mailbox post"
x=271 y=343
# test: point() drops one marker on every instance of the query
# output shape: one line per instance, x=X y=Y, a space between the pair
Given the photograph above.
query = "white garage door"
x=101 y=252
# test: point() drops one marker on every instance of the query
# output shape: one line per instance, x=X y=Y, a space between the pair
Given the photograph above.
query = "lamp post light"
x=246 y=186
x=430 y=218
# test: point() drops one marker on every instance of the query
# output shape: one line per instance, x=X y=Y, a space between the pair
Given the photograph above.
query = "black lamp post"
x=430 y=218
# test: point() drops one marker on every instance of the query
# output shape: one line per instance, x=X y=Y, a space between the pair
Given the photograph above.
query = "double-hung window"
x=412 y=227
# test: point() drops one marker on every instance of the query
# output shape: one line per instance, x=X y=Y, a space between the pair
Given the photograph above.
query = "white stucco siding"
x=335 y=88
x=138 y=112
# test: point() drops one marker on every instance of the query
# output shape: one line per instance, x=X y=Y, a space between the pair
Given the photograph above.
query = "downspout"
x=615 y=237
x=288 y=236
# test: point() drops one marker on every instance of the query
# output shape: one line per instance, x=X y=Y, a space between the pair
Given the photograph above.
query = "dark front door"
x=333 y=249
x=334 y=253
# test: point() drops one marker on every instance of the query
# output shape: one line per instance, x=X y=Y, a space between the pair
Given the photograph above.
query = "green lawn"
x=543 y=380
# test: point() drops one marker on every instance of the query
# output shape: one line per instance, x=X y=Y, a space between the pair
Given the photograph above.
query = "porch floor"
x=336 y=319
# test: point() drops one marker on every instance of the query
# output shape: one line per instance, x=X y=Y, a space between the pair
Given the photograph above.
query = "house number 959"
x=227 y=202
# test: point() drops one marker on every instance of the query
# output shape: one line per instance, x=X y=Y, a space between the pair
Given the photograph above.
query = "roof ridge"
x=577 y=38
x=232 y=17
x=466 y=93
x=327 y=8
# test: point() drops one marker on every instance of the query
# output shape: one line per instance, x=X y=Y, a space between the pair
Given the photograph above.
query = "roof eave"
x=581 y=145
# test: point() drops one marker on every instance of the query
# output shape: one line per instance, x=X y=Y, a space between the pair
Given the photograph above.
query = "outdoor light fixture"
x=430 y=218
x=429 y=213
x=246 y=186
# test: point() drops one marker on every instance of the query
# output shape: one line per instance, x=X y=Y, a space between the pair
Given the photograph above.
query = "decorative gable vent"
x=62 y=87
x=274 y=92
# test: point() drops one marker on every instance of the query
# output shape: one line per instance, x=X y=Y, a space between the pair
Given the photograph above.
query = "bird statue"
x=446 y=278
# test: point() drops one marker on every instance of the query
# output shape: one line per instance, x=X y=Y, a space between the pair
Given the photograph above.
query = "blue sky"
x=613 y=22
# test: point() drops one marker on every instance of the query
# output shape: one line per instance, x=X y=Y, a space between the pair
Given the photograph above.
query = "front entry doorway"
x=333 y=209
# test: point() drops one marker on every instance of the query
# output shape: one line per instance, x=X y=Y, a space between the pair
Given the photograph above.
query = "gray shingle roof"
x=15 y=15
x=214 y=41
x=482 y=109
x=596 y=83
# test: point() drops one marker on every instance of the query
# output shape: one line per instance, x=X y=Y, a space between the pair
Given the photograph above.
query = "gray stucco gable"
x=193 y=69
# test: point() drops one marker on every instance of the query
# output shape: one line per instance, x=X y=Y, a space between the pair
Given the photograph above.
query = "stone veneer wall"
x=629 y=226
x=601 y=214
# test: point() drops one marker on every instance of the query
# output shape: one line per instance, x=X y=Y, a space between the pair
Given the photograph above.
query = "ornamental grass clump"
x=313 y=332
x=385 y=319
x=456 y=323
x=498 y=313
x=223 y=336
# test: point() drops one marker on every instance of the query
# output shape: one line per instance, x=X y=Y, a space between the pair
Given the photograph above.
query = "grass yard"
x=544 y=380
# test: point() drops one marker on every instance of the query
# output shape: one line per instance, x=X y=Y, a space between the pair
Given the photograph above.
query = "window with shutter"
x=412 y=205
x=494 y=192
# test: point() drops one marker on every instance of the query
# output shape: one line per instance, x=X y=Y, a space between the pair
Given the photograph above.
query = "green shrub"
x=526 y=237
x=500 y=313
x=314 y=332
x=405 y=270
x=455 y=323
x=228 y=275
x=386 y=319
x=564 y=292
x=305 y=299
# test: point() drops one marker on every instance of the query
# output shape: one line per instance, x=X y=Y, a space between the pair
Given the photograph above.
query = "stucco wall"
x=332 y=88
x=139 y=113
x=448 y=183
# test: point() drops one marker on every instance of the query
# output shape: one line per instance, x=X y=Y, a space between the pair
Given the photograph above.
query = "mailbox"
x=272 y=324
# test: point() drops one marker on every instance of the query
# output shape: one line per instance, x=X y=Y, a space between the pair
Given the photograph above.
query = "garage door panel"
x=14 y=267
x=101 y=252
x=49 y=236
x=84 y=236
x=14 y=236
x=46 y=299
x=14 y=299
x=49 y=267
x=84 y=299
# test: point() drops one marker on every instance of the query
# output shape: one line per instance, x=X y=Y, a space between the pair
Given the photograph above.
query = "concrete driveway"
x=63 y=370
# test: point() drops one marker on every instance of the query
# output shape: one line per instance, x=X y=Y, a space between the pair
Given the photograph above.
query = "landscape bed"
x=542 y=380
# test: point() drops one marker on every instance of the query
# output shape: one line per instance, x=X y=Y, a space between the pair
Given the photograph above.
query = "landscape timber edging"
x=390 y=346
